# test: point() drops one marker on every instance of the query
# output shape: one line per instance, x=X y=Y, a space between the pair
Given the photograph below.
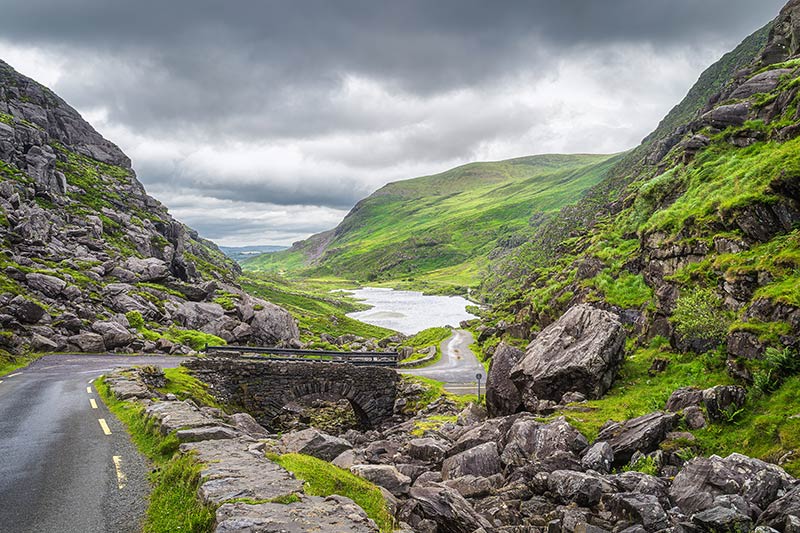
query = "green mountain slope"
x=693 y=241
x=442 y=228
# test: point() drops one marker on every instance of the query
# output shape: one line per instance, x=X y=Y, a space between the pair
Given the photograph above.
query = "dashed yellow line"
x=93 y=403
x=89 y=390
x=1 y=380
x=121 y=479
x=12 y=375
x=104 y=426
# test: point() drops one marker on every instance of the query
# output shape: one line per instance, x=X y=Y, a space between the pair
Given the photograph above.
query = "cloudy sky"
x=261 y=122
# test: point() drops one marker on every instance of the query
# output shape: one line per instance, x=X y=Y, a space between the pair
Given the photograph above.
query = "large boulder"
x=585 y=490
x=723 y=401
x=642 y=434
x=580 y=352
x=272 y=324
x=314 y=442
x=502 y=396
x=703 y=479
x=482 y=461
x=645 y=509
x=198 y=315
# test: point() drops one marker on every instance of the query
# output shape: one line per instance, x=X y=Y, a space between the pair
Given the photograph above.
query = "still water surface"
x=409 y=312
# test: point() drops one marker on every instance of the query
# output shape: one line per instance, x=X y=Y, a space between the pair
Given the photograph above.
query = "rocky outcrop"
x=580 y=352
x=642 y=434
x=83 y=238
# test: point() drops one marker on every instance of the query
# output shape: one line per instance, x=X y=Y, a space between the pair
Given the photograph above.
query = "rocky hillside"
x=90 y=262
x=705 y=215
x=693 y=245
x=442 y=229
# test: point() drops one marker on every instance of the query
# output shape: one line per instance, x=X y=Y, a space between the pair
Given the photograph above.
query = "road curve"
x=458 y=366
x=58 y=471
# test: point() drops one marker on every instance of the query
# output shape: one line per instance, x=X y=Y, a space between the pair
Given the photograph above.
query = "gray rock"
x=579 y=352
x=703 y=479
x=40 y=343
x=475 y=486
x=502 y=396
x=127 y=386
x=585 y=490
x=599 y=457
x=472 y=414
x=694 y=417
x=783 y=512
x=722 y=520
x=311 y=514
x=149 y=269
x=727 y=115
x=642 y=508
x=426 y=449
x=723 y=401
x=315 y=443
x=642 y=434
x=26 y=311
x=386 y=476
x=448 y=509
x=760 y=83
x=172 y=416
x=48 y=285
x=115 y=335
x=489 y=431
x=271 y=324
x=683 y=398
x=528 y=440
x=481 y=461
x=88 y=342
x=248 y=425
x=206 y=433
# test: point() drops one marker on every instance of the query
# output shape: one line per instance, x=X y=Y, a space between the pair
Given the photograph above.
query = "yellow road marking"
x=93 y=403
x=103 y=425
x=89 y=390
x=12 y=375
x=121 y=479
x=1 y=380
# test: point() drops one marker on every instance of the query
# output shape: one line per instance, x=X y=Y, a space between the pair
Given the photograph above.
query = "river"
x=409 y=312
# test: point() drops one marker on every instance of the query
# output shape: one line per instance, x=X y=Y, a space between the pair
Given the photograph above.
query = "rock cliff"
x=89 y=261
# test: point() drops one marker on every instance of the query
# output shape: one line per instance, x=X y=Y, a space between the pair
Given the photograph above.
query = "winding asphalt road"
x=66 y=463
x=458 y=366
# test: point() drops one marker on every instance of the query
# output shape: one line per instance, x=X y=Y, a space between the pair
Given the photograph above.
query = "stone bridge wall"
x=263 y=388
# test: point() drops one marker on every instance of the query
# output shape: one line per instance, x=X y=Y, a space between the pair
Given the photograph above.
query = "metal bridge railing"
x=273 y=353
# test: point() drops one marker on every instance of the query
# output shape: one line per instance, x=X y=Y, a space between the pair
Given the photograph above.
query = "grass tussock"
x=323 y=479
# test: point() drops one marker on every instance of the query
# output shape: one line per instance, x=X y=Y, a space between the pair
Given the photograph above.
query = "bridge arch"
x=263 y=388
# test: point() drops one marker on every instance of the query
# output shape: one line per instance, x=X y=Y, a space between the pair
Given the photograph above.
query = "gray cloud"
x=318 y=103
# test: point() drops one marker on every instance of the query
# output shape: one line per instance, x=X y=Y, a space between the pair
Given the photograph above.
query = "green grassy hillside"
x=441 y=229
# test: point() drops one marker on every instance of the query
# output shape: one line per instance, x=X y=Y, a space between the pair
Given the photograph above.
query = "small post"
x=479 y=376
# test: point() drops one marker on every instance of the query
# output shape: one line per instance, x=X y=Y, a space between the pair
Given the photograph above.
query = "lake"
x=409 y=312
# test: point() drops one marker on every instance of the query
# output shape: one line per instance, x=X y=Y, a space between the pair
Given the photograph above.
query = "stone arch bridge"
x=263 y=388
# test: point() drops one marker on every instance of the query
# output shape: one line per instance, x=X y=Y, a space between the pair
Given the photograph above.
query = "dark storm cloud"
x=316 y=103
x=270 y=66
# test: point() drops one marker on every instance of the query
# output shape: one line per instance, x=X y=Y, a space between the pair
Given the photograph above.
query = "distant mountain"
x=241 y=253
x=442 y=228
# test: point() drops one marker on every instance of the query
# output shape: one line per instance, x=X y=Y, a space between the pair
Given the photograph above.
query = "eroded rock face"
x=580 y=352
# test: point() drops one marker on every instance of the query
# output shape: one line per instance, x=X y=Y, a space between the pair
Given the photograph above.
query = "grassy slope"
x=441 y=228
